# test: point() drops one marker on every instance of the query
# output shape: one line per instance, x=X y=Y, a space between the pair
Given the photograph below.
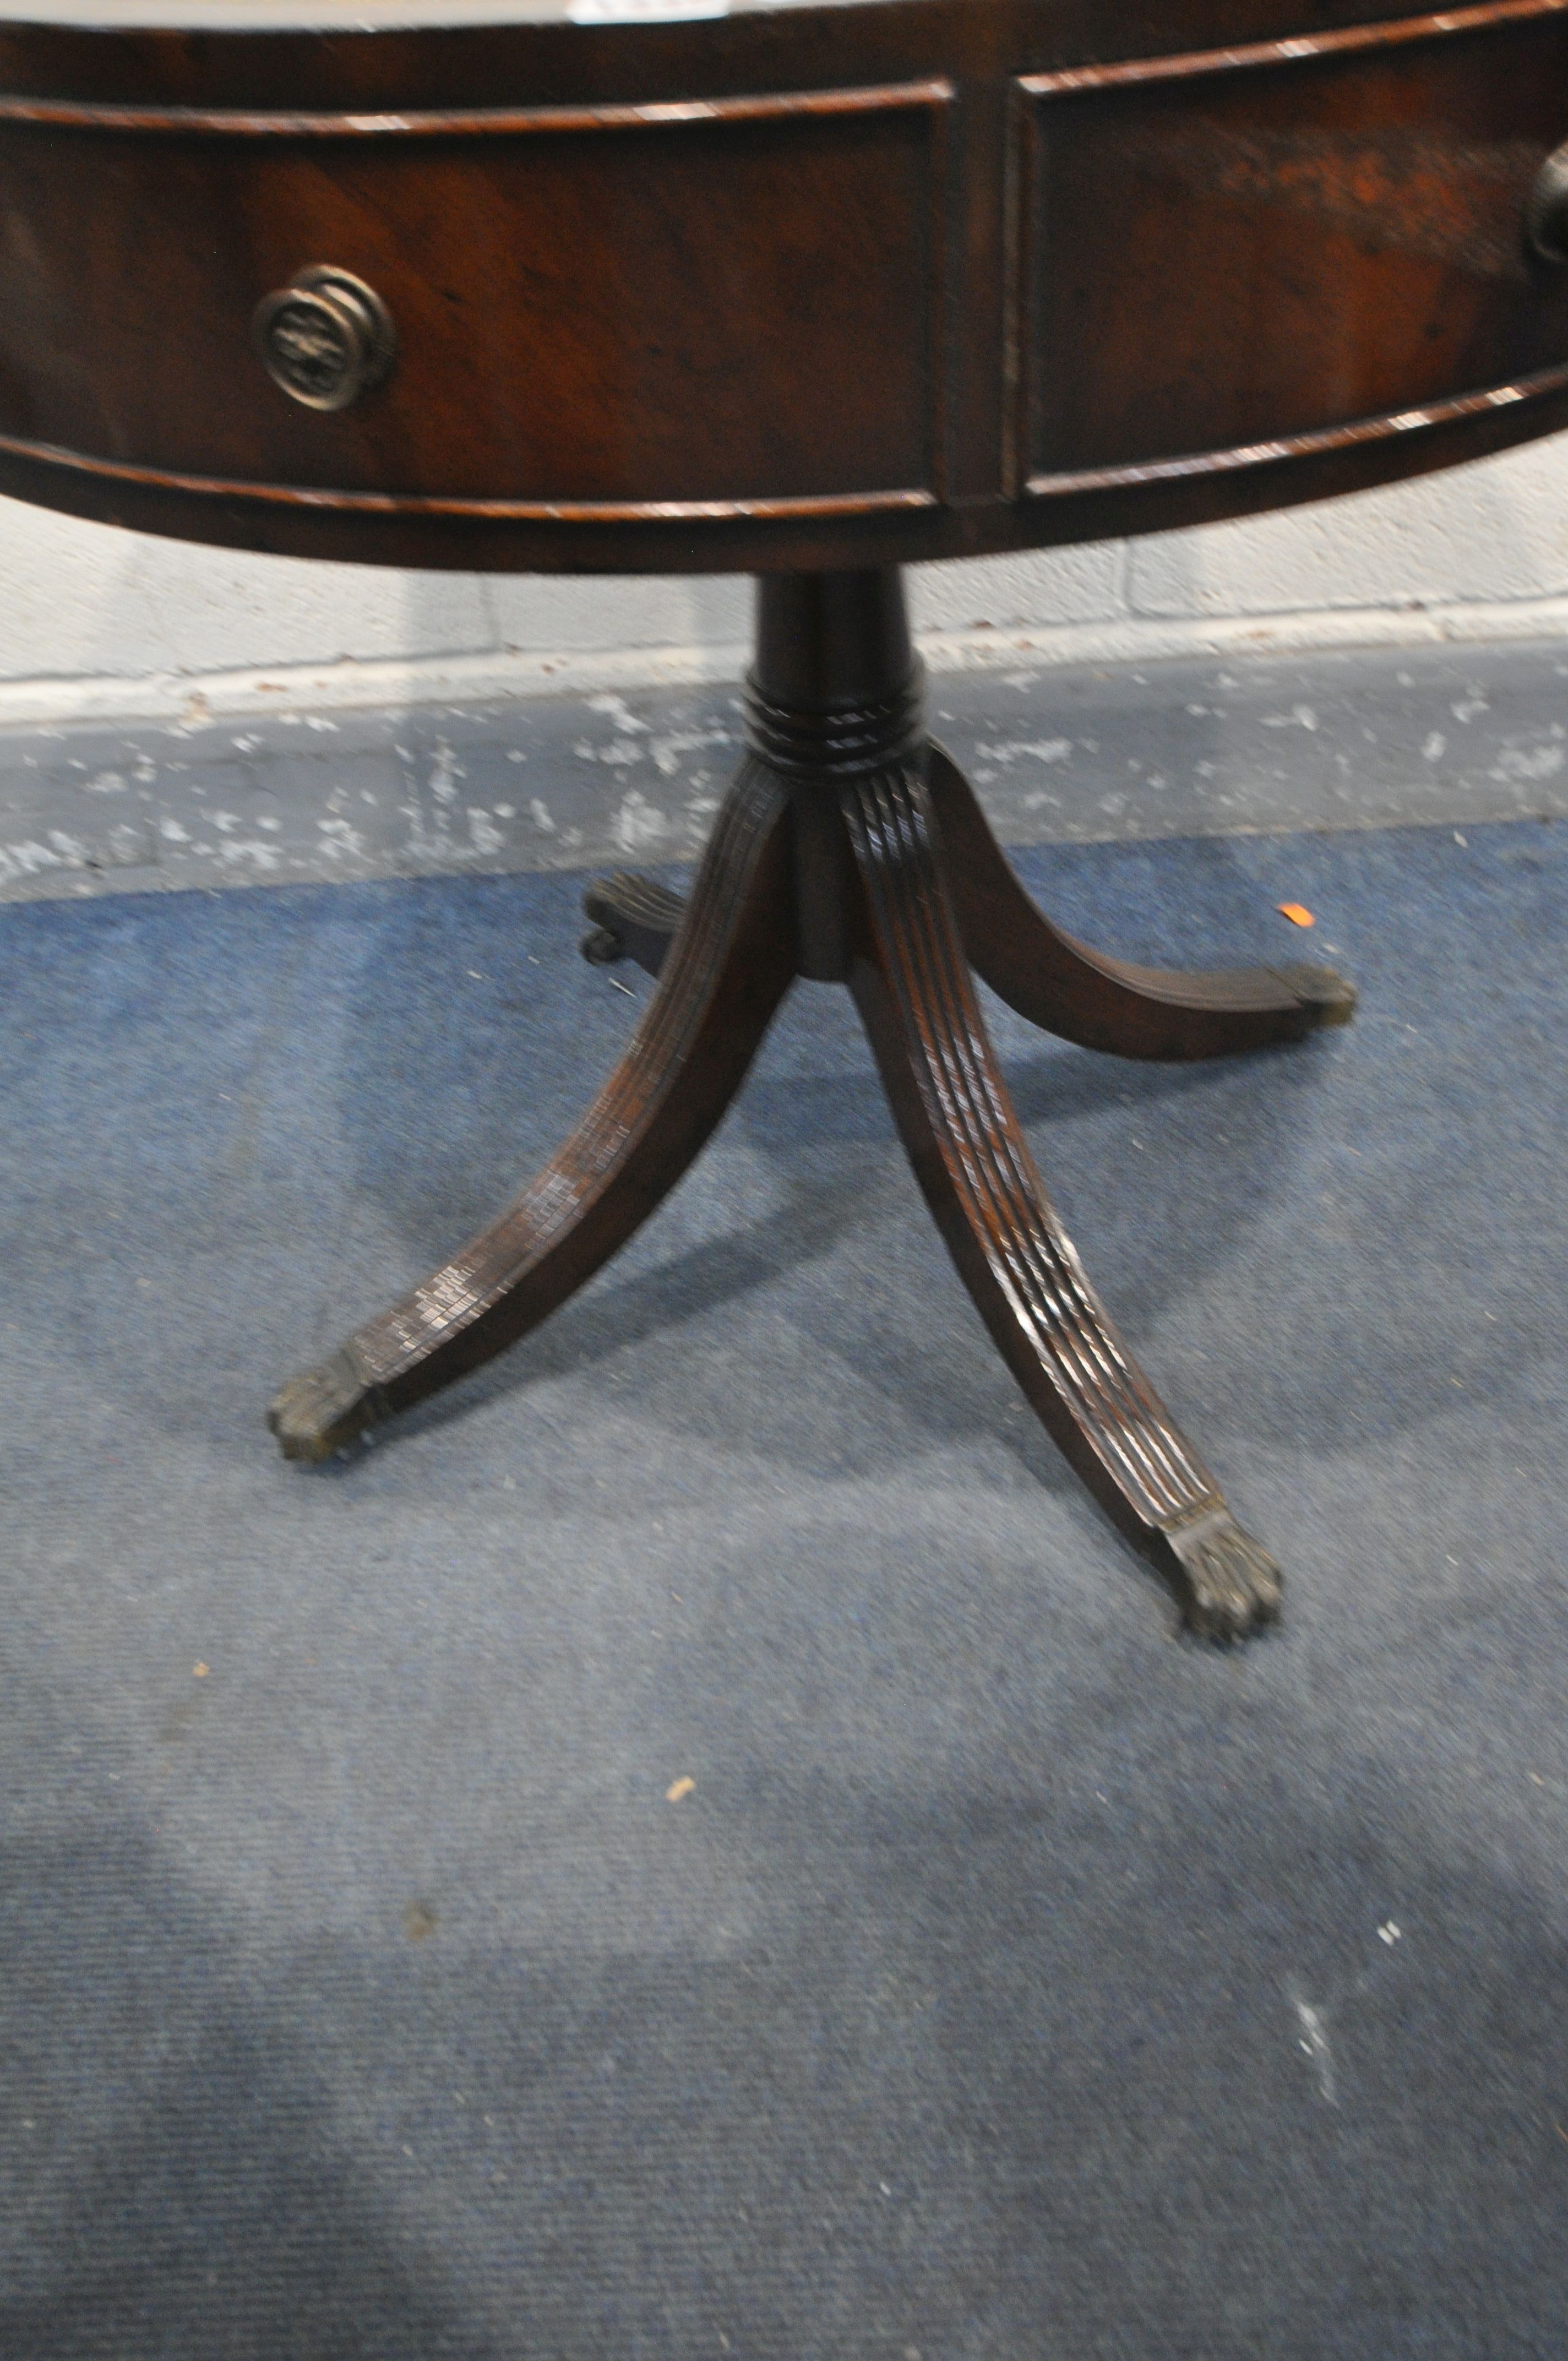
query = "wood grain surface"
x=793 y=288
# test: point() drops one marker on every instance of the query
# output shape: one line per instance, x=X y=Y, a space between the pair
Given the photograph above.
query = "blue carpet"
x=1018 y=1982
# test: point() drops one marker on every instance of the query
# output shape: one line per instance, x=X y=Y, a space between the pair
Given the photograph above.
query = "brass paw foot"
x=1227 y=1583
x=1331 y=997
x=633 y=919
x=323 y=1409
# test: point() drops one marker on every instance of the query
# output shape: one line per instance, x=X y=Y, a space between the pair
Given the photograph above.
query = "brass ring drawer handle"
x=1547 y=218
x=326 y=338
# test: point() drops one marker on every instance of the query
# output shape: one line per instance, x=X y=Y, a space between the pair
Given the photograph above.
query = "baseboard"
x=1435 y=732
x=197 y=700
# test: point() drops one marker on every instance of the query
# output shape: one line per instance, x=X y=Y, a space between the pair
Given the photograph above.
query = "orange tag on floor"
x=1297 y=912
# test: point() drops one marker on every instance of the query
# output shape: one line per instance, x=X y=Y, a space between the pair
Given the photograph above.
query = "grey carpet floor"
x=1017 y=1981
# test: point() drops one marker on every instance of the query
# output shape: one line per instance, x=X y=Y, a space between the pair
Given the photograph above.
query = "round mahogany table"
x=809 y=288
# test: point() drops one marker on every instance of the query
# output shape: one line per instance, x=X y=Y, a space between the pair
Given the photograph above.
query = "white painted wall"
x=100 y=622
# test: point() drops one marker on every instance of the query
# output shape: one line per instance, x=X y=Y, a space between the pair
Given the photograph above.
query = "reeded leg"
x=729 y=966
x=1103 y=1003
x=634 y=918
x=910 y=977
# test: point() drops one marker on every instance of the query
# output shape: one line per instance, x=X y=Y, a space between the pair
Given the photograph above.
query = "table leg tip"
x=601 y=947
x=322 y=1410
x=1331 y=997
x=1228 y=1584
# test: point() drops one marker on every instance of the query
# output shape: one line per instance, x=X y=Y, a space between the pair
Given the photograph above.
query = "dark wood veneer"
x=626 y=310
x=788 y=289
x=1373 y=181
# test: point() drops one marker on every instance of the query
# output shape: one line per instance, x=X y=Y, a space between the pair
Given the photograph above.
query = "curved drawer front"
x=729 y=302
x=996 y=290
x=1273 y=243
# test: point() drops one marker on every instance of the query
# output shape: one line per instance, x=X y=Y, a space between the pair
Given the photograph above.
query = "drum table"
x=808 y=289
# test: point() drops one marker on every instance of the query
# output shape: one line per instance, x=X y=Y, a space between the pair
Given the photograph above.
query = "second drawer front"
x=1219 y=257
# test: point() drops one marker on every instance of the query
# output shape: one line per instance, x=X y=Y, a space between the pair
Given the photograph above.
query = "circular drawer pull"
x=1547 y=219
x=326 y=338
